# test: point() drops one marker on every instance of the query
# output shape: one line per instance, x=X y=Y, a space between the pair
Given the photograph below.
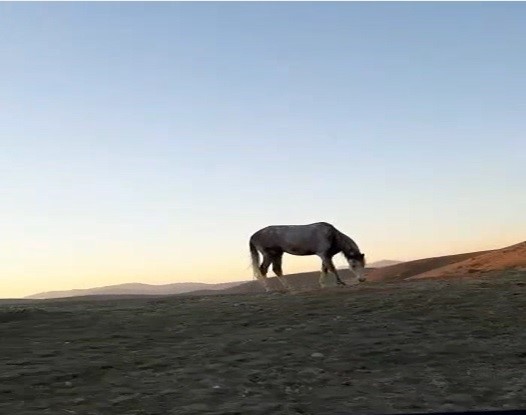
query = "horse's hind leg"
x=263 y=268
x=262 y=274
x=278 y=270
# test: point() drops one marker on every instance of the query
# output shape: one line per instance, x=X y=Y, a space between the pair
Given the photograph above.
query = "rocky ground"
x=377 y=348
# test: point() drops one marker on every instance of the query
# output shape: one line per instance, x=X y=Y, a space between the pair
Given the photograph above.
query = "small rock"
x=68 y=384
x=317 y=354
x=122 y=398
x=310 y=371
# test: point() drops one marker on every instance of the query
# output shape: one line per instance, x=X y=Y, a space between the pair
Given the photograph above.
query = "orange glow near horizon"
x=40 y=276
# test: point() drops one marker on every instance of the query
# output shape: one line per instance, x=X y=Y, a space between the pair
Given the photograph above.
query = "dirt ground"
x=378 y=348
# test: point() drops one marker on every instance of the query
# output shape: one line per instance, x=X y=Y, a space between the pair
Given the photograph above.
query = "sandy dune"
x=409 y=269
x=511 y=257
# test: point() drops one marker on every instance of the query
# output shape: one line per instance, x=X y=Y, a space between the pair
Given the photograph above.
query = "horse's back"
x=291 y=238
x=292 y=228
x=323 y=225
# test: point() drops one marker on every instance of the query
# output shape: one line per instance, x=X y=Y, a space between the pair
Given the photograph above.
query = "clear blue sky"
x=134 y=134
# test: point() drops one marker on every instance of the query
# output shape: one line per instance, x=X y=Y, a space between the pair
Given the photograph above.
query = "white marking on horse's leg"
x=254 y=256
x=262 y=272
x=323 y=279
x=278 y=270
x=284 y=282
x=323 y=276
x=331 y=280
x=262 y=279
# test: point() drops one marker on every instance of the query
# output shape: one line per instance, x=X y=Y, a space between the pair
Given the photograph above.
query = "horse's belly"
x=299 y=251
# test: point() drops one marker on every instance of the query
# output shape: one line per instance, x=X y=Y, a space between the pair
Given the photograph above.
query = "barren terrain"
x=379 y=347
x=511 y=257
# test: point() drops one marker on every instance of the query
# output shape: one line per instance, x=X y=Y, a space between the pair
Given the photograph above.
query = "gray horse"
x=321 y=239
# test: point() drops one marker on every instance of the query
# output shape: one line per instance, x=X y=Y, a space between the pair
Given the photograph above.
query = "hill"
x=398 y=272
x=134 y=289
x=466 y=264
x=383 y=263
x=299 y=281
x=193 y=288
x=409 y=269
x=511 y=257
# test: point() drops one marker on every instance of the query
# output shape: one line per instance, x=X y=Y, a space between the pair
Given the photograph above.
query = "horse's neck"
x=347 y=245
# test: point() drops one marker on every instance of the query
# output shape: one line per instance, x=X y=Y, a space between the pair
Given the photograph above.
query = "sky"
x=146 y=142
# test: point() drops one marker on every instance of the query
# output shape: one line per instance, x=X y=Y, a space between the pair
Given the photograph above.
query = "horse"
x=321 y=239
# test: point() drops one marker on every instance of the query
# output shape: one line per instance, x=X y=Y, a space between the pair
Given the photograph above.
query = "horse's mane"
x=347 y=244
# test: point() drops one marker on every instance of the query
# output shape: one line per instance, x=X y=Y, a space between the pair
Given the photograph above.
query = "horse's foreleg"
x=323 y=276
x=330 y=266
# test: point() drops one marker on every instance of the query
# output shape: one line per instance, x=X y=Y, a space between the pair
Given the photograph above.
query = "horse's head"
x=356 y=262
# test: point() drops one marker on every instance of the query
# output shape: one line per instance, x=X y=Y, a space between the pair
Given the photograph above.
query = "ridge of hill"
x=409 y=269
x=383 y=263
x=510 y=257
x=135 y=289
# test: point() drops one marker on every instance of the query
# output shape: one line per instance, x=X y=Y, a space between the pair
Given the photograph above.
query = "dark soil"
x=376 y=348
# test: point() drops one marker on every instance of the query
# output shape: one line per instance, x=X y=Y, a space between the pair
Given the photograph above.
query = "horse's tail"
x=254 y=256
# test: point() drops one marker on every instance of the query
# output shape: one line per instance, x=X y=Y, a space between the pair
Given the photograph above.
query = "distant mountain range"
x=137 y=289
x=166 y=289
